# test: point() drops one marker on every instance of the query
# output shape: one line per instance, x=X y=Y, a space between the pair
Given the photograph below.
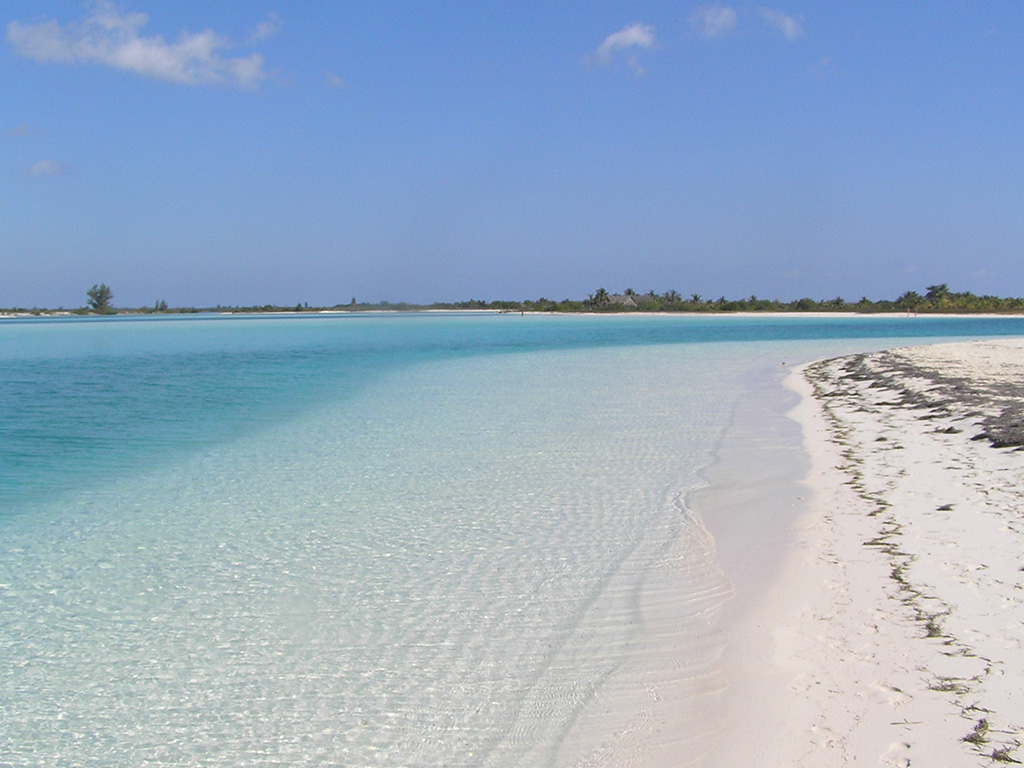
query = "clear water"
x=369 y=540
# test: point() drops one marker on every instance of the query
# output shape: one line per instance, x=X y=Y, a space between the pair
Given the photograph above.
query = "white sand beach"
x=891 y=633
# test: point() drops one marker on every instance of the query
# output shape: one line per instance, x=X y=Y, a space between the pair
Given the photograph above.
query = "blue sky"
x=278 y=152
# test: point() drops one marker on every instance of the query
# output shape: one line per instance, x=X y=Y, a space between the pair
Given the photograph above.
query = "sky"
x=287 y=151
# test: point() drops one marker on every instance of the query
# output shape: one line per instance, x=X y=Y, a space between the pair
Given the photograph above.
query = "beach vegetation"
x=910 y=301
x=937 y=295
x=599 y=299
x=99 y=298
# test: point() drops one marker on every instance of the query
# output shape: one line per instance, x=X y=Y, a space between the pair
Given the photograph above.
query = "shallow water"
x=389 y=541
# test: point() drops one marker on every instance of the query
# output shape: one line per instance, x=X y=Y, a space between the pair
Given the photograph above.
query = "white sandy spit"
x=893 y=634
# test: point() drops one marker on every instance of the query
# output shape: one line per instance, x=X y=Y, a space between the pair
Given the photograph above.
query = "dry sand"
x=891 y=633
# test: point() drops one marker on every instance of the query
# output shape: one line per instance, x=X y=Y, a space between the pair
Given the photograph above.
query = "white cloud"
x=630 y=38
x=713 y=20
x=112 y=38
x=48 y=168
x=790 y=26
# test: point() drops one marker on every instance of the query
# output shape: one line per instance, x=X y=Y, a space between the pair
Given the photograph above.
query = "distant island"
x=936 y=299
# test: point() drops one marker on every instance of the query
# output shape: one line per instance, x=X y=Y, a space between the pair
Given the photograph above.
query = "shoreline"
x=314 y=312
x=889 y=628
x=752 y=505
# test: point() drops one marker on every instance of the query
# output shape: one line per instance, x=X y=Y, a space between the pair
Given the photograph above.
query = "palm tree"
x=598 y=298
x=99 y=298
x=937 y=294
x=909 y=300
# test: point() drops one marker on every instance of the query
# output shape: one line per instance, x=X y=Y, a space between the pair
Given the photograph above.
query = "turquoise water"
x=357 y=540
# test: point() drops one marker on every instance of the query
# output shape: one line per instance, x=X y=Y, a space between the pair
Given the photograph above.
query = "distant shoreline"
x=938 y=299
x=131 y=313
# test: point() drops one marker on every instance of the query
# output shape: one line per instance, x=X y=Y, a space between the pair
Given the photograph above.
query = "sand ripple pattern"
x=446 y=570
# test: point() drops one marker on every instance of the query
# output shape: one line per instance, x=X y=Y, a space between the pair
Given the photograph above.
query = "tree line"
x=936 y=299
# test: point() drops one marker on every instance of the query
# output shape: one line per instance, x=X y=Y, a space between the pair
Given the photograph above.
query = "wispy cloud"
x=823 y=68
x=790 y=26
x=334 y=81
x=48 y=168
x=266 y=29
x=24 y=130
x=713 y=21
x=111 y=38
x=631 y=38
